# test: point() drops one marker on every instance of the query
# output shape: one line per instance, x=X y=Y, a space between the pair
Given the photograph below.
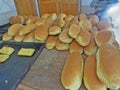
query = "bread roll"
x=91 y=48
x=51 y=41
x=83 y=38
x=54 y=30
x=74 y=30
x=29 y=37
x=61 y=46
x=66 y=26
x=59 y=22
x=72 y=71
x=108 y=64
x=69 y=17
x=12 y=19
x=41 y=33
x=94 y=30
x=85 y=25
x=14 y=29
x=45 y=16
x=94 y=19
x=82 y=16
x=6 y=37
x=104 y=25
x=64 y=37
x=116 y=44
x=40 y=21
x=18 y=38
x=104 y=36
x=53 y=16
x=74 y=20
x=91 y=79
x=31 y=20
x=75 y=47
x=61 y=15
x=27 y=29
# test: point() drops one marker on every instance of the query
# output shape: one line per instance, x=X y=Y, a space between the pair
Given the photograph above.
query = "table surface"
x=45 y=74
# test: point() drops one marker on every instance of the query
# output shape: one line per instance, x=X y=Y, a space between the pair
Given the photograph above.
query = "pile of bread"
x=80 y=35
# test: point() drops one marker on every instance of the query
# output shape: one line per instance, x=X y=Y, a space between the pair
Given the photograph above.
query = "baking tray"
x=16 y=67
x=4 y=28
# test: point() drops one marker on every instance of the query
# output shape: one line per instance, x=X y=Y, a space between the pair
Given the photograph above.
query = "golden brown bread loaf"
x=91 y=48
x=66 y=26
x=31 y=20
x=41 y=33
x=14 y=29
x=85 y=25
x=75 y=47
x=51 y=41
x=61 y=46
x=27 y=29
x=116 y=44
x=30 y=37
x=94 y=19
x=18 y=38
x=74 y=30
x=83 y=38
x=69 y=17
x=6 y=37
x=45 y=16
x=74 y=20
x=54 y=30
x=91 y=79
x=64 y=37
x=104 y=36
x=53 y=16
x=61 y=15
x=82 y=16
x=104 y=25
x=108 y=64
x=59 y=22
x=72 y=73
x=94 y=30
x=40 y=21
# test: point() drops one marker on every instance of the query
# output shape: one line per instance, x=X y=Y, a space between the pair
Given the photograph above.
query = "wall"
x=7 y=9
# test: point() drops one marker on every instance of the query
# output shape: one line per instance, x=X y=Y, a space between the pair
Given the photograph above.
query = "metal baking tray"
x=16 y=67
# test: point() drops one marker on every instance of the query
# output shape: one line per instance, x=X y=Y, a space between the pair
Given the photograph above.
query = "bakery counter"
x=45 y=74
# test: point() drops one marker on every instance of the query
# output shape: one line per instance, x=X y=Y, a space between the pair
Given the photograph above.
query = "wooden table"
x=45 y=74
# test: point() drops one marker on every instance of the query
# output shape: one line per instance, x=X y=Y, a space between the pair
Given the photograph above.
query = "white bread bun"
x=82 y=16
x=75 y=47
x=64 y=37
x=104 y=36
x=74 y=30
x=85 y=25
x=41 y=33
x=94 y=19
x=18 y=38
x=91 y=79
x=6 y=37
x=61 y=46
x=54 y=30
x=30 y=37
x=27 y=29
x=108 y=64
x=83 y=38
x=72 y=71
x=51 y=41
x=14 y=29
x=69 y=17
x=91 y=48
